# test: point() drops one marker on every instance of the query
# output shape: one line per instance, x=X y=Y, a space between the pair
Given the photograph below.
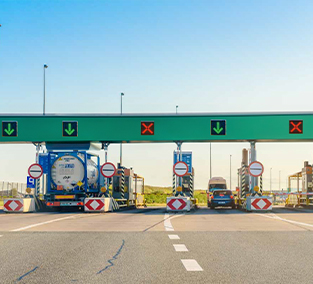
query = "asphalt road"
x=141 y=246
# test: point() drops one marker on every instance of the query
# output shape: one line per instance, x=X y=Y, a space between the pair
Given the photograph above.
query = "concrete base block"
x=178 y=203
x=259 y=203
x=19 y=205
x=98 y=204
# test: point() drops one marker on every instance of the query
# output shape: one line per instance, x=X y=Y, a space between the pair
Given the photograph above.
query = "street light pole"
x=176 y=109
x=121 y=147
x=279 y=181
x=45 y=66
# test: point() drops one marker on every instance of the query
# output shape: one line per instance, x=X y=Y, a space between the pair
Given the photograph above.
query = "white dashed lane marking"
x=191 y=265
x=39 y=224
x=180 y=247
x=174 y=237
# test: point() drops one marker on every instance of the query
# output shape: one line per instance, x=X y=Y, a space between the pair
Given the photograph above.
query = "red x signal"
x=147 y=128
x=295 y=126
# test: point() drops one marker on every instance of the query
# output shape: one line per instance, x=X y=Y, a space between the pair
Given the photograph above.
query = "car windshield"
x=221 y=186
x=222 y=192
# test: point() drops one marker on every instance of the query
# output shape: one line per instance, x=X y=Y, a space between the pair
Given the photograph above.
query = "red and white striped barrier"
x=98 y=204
x=259 y=203
x=17 y=205
x=178 y=203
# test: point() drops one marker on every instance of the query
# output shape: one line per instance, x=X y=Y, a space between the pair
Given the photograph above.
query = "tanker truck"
x=71 y=177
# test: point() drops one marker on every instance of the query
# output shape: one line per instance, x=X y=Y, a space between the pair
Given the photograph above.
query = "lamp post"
x=279 y=181
x=45 y=66
x=176 y=109
x=121 y=147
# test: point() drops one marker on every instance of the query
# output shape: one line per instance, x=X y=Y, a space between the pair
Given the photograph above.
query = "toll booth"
x=128 y=187
x=303 y=195
x=250 y=196
x=188 y=184
x=307 y=185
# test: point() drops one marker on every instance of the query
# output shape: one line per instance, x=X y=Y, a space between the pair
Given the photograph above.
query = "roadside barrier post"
x=122 y=184
x=191 y=185
x=174 y=184
x=243 y=181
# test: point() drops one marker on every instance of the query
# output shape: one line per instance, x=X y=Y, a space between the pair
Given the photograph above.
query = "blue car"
x=223 y=198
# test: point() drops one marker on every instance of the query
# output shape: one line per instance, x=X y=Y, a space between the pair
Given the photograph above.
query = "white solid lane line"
x=180 y=247
x=39 y=224
x=275 y=217
x=191 y=265
x=174 y=237
x=167 y=223
x=1 y=236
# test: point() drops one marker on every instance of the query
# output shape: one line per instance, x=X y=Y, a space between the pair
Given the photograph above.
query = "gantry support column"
x=253 y=180
x=105 y=147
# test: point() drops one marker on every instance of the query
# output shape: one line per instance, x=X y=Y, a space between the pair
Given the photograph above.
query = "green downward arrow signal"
x=69 y=131
x=218 y=129
x=9 y=130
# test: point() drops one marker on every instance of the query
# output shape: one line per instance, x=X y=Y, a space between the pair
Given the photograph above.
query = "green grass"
x=156 y=195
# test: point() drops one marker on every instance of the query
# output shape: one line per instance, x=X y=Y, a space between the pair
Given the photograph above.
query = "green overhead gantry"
x=139 y=128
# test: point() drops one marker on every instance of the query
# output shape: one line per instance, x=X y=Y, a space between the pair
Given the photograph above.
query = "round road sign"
x=35 y=171
x=108 y=170
x=256 y=169
x=180 y=169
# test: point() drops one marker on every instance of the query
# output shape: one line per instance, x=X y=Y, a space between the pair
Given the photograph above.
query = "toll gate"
x=78 y=132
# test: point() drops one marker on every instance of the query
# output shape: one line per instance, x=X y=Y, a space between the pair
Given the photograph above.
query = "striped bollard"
x=122 y=184
x=174 y=184
x=191 y=185
x=37 y=187
x=243 y=182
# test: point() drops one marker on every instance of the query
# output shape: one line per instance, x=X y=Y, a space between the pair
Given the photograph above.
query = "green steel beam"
x=167 y=128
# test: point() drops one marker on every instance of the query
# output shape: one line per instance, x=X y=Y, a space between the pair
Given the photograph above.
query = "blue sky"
x=205 y=56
